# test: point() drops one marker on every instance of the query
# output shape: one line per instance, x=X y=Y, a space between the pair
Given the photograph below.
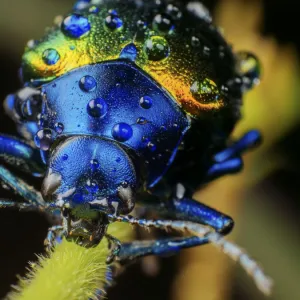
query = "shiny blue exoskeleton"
x=106 y=137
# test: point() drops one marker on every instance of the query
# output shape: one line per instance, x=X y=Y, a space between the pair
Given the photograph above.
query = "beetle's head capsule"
x=90 y=171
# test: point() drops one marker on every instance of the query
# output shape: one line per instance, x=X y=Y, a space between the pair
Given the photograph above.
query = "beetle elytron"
x=126 y=103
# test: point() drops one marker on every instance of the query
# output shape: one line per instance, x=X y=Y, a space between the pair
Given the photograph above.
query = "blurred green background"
x=264 y=199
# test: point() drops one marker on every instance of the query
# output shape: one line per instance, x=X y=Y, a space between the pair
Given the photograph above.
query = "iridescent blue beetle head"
x=89 y=170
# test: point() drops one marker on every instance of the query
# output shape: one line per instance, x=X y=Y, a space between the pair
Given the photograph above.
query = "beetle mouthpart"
x=51 y=183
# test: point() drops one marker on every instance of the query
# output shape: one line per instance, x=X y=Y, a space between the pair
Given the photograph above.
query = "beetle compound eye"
x=205 y=91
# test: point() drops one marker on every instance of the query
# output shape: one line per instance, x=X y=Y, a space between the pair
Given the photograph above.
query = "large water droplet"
x=122 y=132
x=59 y=128
x=157 y=48
x=250 y=69
x=113 y=22
x=50 y=57
x=87 y=83
x=75 y=26
x=97 y=108
x=146 y=102
x=162 y=23
x=43 y=139
x=205 y=91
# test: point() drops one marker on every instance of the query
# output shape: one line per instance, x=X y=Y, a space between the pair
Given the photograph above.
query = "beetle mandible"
x=125 y=103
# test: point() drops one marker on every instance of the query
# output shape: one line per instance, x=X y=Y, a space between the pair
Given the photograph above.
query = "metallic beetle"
x=125 y=103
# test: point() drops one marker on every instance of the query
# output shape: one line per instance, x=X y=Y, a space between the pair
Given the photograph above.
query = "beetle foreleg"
x=21 y=187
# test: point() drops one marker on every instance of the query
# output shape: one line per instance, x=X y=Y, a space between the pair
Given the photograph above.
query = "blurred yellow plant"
x=273 y=108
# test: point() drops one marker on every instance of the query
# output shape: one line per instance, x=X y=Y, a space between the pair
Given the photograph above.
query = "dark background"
x=22 y=234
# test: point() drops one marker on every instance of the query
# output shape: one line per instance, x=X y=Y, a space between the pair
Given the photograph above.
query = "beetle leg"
x=56 y=233
x=11 y=204
x=228 y=161
x=21 y=155
x=114 y=246
x=21 y=187
x=201 y=236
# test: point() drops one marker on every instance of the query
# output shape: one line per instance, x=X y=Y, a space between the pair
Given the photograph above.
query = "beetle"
x=127 y=103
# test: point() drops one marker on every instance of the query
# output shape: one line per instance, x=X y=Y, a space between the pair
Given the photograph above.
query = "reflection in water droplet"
x=250 y=69
x=157 y=48
x=146 y=102
x=122 y=132
x=59 y=128
x=75 y=26
x=43 y=139
x=162 y=23
x=50 y=57
x=97 y=108
x=205 y=91
x=87 y=83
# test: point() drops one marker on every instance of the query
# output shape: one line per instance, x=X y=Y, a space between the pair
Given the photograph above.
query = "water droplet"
x=75 y=26
x=141 y=121
x=122 y=132
x=59 y=128
x=94 y=9
x=30 y=109
x=250 y=69
x=113 y=22
x=142 y=25
x=118 y=160
x=205 y=91
x=87 y=83
x=113 y=12
x=129 y=52
x=157 y=48
x=92 y=187
x=97 y=108
x=50 y=57
x=82 y=4
x=146 y=102
x=151 y=146
x=65 y=157
x=162 y=23
x=195 y=42
x=72 y=47
x=94 y=164
x=206 y=51
x=174 y=11
x=43 y=139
